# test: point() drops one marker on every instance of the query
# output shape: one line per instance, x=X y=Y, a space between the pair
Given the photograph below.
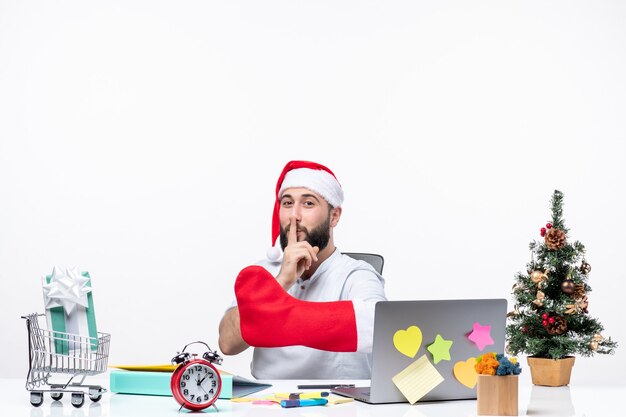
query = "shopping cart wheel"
x=78 y=399
x=95 y=393
x=36 y=398
x=56 y=396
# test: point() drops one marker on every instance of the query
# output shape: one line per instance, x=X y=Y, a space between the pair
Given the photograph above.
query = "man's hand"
x=297 y=257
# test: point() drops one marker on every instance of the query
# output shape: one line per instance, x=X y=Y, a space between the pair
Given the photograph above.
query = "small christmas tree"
x=550 y=318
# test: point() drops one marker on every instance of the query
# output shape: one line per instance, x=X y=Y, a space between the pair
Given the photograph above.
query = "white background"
x=141 y=141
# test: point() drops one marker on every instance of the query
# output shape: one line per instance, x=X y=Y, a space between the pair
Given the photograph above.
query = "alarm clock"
x=196 y=383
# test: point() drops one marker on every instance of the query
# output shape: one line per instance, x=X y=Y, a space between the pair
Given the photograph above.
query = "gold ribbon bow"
x=579 y=291
x=539 y=278
x=514 y=313
x=578 y=306
x=595 y=341
x=539 y=300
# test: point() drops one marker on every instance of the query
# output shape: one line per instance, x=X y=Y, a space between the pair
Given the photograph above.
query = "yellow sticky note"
x=408 y=341
x=254 y=399
x=417 y=379
x=245 y=399
x=147 y=368
x=336 y=399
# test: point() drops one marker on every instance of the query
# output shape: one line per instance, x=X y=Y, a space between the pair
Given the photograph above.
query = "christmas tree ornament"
x=568 y=287
x=548 y=225
x=542 y=231
x=579 y=306
x=539 y=300
x=539 y=278
x=555 y=239
x=544 y=316
x=572 y=308
x=584 y=304
x=557 y=326
x=595 y=341
x=579 y=291
x=585 y=268
x=515 y=312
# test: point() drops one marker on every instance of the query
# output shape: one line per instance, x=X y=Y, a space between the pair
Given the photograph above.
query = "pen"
x=327 y=386
x=301 y=395
x=303 y=402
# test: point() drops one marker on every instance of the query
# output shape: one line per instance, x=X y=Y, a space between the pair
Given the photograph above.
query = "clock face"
x=199 y=384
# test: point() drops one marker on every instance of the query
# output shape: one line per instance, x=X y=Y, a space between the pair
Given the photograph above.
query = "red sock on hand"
x=270 y=317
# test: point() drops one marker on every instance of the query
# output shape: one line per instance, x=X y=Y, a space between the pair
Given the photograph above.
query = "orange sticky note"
x=465 y=372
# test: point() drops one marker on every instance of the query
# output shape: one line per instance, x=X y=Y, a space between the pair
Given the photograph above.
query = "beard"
x=320 y=236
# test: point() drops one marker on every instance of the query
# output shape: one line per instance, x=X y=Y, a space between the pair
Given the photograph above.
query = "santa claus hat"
x=311 y=175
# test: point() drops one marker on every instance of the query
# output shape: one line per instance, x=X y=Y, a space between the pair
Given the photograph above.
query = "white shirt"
x=338 y=278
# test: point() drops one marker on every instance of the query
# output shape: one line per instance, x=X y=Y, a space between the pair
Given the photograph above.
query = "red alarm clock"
x=196 y=383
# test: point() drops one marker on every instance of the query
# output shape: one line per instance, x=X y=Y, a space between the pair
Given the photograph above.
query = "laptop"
x=451 y=319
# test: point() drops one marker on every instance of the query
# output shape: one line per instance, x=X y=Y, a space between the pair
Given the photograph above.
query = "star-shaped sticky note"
x=481 y=336
x=440 y=349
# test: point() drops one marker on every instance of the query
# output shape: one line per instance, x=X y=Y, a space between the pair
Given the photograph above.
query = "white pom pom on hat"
x=274 y=253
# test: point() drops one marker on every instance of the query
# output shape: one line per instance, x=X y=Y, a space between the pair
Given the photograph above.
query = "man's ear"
x=335 y=214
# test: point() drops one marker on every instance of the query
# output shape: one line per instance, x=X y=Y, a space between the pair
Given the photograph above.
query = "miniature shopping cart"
x=52 y=352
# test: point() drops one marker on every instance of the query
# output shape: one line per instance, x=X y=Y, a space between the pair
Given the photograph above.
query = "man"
x=309 y=314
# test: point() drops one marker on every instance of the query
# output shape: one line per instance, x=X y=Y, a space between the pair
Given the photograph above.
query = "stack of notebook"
x=155 y=380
